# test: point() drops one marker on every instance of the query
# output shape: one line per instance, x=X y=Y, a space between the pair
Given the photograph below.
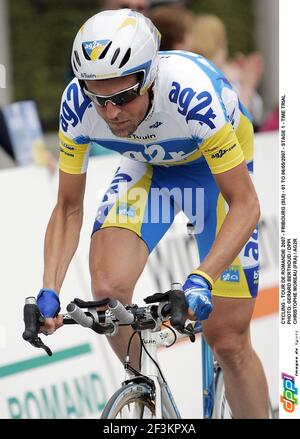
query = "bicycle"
x=143 y=394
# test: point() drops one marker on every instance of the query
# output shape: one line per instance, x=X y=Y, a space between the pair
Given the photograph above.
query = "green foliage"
x=42 y=33
x=238 y=17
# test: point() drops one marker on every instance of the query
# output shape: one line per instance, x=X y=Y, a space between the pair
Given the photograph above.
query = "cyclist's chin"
x=123 y=129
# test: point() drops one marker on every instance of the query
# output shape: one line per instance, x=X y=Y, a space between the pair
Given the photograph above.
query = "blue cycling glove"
x=198 y=294
x=48 y=303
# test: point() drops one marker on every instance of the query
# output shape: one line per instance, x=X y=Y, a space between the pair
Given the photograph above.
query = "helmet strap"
x=151 y=97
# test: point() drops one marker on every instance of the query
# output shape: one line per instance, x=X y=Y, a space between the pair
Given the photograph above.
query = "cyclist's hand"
x=198 y=294
x=49 y=306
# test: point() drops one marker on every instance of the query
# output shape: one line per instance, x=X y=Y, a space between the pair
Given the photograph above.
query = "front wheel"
x=132 y=401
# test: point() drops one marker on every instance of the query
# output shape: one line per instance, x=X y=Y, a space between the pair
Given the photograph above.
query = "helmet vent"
x=116 y=54
x=77 y=58
x=86 y=55
x=104 y=52
x=125 y=59
x=74 y=65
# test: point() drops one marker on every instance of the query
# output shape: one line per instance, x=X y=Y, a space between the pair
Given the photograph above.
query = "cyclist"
x=179 y=126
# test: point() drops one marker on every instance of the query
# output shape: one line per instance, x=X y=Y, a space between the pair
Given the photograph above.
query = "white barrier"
x=77 y=381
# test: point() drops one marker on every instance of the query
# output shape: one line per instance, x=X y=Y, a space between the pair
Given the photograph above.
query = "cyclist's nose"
x=112 y=111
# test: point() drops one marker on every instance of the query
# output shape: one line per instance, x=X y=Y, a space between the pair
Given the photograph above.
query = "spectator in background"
x=271 y=122
x=138 y=5
x=210 y=39
x=155 y=3
x=174 y=23
x=244 y=71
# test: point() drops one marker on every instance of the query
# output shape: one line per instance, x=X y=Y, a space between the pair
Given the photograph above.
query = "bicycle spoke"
x=138 y=410
x=147 y=414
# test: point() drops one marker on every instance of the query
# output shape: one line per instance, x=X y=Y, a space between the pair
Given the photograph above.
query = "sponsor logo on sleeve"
x=222 y=152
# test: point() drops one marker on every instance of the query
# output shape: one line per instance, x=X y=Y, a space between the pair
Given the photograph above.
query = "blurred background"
x=36 y=36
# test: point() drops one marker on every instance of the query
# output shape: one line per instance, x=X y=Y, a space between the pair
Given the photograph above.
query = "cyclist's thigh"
x=229 y=320
x=117 y=259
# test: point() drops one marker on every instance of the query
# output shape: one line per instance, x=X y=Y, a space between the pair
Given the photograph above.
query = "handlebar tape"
x=120 y=312
x=79 y=316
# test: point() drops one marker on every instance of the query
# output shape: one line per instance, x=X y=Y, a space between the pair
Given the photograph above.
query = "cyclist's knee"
x=232 y=351
x=112 y=288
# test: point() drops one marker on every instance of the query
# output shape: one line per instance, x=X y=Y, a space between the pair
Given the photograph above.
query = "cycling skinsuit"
x=196 y=127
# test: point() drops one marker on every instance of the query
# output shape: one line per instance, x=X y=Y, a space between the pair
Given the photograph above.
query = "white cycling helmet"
x=116 y=43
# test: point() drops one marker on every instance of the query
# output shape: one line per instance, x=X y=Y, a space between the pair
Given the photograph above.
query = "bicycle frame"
x=165 y=406
x=208 y=380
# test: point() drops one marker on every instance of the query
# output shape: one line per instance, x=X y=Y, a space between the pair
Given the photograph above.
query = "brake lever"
x=38 y=343
x=33 y=320
x=179 y=308
x=189 y=330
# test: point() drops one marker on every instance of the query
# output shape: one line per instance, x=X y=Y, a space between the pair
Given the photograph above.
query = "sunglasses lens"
x=121 y=98
x=125 y=98
x=100 y=101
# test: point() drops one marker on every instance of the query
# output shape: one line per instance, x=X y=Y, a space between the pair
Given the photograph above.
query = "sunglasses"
x=123 y=97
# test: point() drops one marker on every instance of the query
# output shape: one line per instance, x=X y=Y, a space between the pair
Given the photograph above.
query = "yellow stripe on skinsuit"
x=72 y=156
x=224 y=137
x=222 y=151
x=245 y=135
x=134 y=200
x=230 y=289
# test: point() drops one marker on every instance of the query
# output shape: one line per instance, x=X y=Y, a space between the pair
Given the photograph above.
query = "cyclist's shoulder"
x=74 y=107
x=74 y=97
x=190 y=92
x=192 y=69
x=186 y=77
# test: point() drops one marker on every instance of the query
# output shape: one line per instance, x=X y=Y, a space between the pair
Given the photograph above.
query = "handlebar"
x=120 y=312
x=171 y=305
x=79 y=316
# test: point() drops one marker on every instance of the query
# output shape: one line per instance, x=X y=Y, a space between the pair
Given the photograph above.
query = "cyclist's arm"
x=62 y=235
x=238 y=191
